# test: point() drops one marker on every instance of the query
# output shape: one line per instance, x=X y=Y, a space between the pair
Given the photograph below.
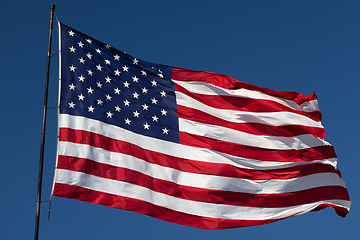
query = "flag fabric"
x=189 y=147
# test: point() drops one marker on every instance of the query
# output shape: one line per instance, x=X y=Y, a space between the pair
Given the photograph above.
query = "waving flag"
x=193 y=148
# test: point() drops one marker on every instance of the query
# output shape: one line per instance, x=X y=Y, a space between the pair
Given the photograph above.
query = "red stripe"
x=339 y=210
x=245 y=104
x=277 y=155
x=200 y=194
x=185 y=165
x=253 y=128
x=134 y=205
x=230 y=83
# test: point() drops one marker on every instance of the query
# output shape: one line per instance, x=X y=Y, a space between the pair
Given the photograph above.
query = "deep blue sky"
x=302 y=46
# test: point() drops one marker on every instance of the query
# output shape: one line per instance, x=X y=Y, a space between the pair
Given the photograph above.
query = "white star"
x=81 y=78
x=99 y=102
x=145 y=107
x=116 y=57
x=127 y=121
x=81 y=97
x=163 y=93
x=155 y=118
x=99 y=85
x=108 y=79
x=89 y=55
x=154 y=101
x=125 y=68
x=144 y=90
x=163 y=112
x=98 y=67
x=98 y=51
x=117 y=108
x=82 y=60
x=81 y=44
x=136 y=114
x=146 y=126
x=71 y=105
x=72 y=49
x=117 y=72
x=136 y=95
x=135 y=61
x=117 y=91
x=90 y=90
x=90 y=72
x=107 y=62
x=127 y=103
x=109 y=114
x=72 y=87
x=107 y=46
x=160 y=75
x=165 y=131
x=135 y=79
x=91 y=109
x=143 y=72
x=72 y=68
x=126 y=84
x=71 y=33
x=153 y=82
x=89 y=40
x=108 y=97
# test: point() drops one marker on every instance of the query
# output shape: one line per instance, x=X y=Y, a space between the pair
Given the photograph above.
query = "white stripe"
x=186 y=206
x=204 y=181
x=209 y=89
x=270 y=118
x=233 y=136
x=173 y=149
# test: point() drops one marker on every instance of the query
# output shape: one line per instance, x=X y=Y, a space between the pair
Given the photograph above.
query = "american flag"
x=189 y=147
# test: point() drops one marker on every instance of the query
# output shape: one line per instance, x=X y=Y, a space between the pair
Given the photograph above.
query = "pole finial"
x=52 y=7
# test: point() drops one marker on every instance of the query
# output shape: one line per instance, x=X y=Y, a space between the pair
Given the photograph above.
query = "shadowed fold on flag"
x=189 y=147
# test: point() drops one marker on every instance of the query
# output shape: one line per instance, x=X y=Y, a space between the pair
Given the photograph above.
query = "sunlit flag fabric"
x=194 y=148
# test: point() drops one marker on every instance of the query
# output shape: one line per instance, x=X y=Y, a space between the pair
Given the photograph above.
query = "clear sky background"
x=301 y=46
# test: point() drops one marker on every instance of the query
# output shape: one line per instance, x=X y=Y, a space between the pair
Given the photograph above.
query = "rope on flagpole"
x=38 y=201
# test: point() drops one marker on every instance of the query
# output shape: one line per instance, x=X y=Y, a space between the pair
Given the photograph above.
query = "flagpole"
x=38 y=201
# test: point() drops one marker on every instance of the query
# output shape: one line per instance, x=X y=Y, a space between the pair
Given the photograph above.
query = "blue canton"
x=105 y=84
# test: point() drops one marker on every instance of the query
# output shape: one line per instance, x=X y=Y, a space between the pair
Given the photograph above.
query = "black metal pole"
x=38 y=201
